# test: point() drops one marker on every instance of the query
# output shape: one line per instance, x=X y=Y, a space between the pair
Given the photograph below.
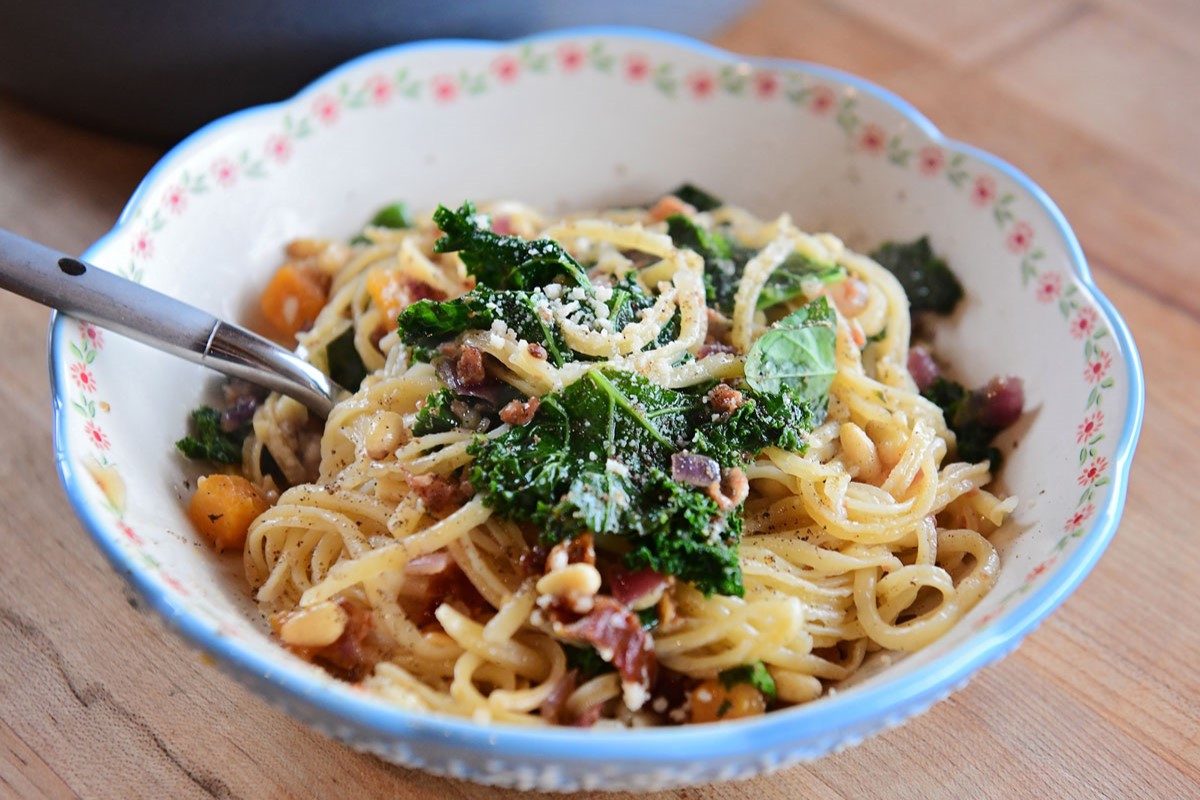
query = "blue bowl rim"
x=882 y=704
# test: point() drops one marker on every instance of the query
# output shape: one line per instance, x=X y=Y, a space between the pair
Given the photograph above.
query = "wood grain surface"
x=1097 y=100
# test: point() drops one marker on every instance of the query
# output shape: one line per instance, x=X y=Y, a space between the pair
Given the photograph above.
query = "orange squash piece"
x=223 y=508
x=293 y=299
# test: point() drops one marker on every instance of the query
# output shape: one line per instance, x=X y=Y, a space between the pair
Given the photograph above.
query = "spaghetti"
x=379 y=560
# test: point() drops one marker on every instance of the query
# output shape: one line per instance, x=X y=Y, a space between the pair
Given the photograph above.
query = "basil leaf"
x=797 y=353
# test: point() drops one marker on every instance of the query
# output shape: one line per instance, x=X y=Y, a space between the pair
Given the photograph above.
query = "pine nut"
x=314 y=626
x=574 y=579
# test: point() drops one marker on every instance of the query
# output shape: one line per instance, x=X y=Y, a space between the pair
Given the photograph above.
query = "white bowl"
x=584 y=119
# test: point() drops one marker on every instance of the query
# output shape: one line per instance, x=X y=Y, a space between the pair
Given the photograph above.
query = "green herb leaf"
x=446 y=411
x=797 y=354
x=208 y=442
x=724 y=260
x=504 y=262
x=698 y=198
x=755 y=674
x=928 y=282
x=585 y=659
x=961 y=411
x=790 y=278
x=392 y=216
x=345 y=364
x=596 y=457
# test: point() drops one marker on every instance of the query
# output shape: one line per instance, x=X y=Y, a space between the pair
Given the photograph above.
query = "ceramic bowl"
x=581 y=119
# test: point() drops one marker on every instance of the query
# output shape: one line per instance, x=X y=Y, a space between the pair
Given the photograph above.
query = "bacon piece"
x=628 y=586
x=590 y=716
x=575 y=550
x=520 y=412
x=433 y=579
x=732 y=490
x=537 y=351
x=440 y=494
x=346 y=657
x=533 y=561
x=712 y=348
x=463 y=371
x=470 y=366
x=724 y=399
x=667 y=205
x=552 y=707
x=922 y=367
x=430 y=564
x=618 y=636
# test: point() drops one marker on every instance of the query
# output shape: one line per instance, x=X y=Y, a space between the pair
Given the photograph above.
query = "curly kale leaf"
x=444 y=410
x=797 y=354
x=697 y=198
x=928 y=282
x=962 y=412
x=754 y=674
x=725 y=260
x=431 y=322
x=209 y=442
x=586 y=661
x=596 y=457
x=504 y=262
x=765 y=420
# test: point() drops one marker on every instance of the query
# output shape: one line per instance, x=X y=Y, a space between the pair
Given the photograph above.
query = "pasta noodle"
x=868 y=539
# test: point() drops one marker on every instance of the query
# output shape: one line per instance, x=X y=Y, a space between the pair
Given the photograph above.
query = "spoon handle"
x=94 y=295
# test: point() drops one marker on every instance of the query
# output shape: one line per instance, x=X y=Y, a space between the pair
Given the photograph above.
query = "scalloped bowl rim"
x=882 y=703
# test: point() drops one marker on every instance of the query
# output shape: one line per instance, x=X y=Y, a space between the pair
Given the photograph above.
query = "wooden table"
x=1098 y=101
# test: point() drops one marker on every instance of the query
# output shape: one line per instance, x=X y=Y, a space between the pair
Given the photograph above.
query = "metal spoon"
x=91 y=294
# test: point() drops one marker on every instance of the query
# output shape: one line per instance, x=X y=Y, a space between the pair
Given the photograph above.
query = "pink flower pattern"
x=83 y=377
x=445 y=88
x=873 y=139
x=224 y=172
x=1080 y=516
x=1039 y=570
x=822 y=100
x=1097 y=369
x=1090 y=426
x=129 y=533
x=98 y=437
x=766 y=85
x=930 y=160
x=1092 y=472
x=1020 y=238
x=637 y=67
x=1049 y=287
x=983 y=191
x=93 y=335
x=506 y=68
x=379 y=89
x=702 y=84
x=327 y=109
x=175 y=199
x=279 y=148
x=1084 y=323
x=571 y=57
x=143 y=245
